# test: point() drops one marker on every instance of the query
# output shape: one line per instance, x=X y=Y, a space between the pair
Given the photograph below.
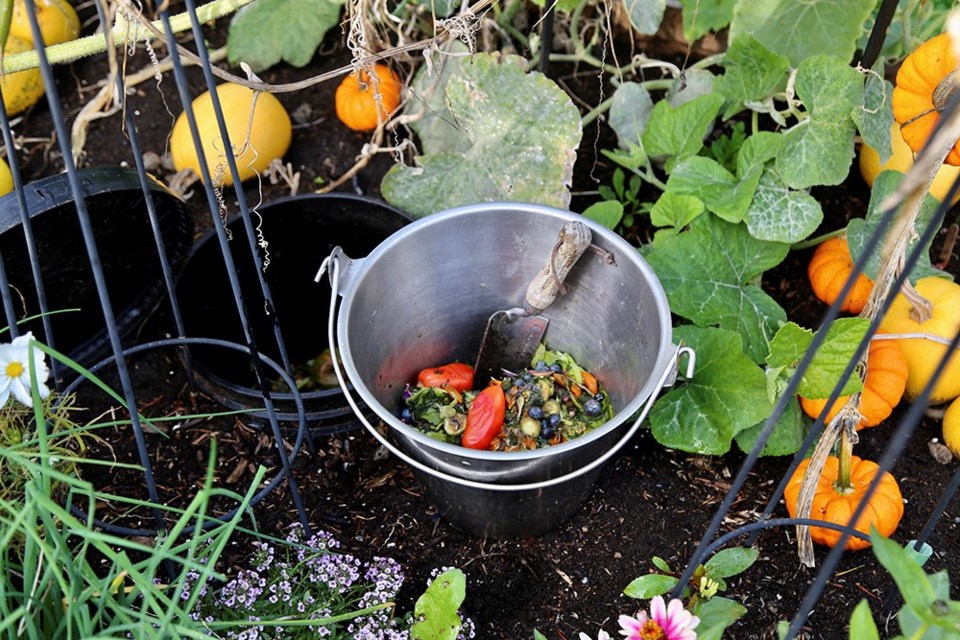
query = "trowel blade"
x=509 y=342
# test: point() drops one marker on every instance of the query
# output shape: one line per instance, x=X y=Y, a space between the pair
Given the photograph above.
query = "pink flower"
x=666 y=622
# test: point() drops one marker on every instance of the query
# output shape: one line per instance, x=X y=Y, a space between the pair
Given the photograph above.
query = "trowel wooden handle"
x=573 y=240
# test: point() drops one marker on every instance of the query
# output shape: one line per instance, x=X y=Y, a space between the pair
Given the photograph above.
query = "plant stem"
x=123 y=31
x=843 y=484
x=813 y=242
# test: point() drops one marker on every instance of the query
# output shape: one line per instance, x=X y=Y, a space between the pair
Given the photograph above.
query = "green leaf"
x=753 y=73
x=645 y=15
x=719 y=190
x=700 y=18
x=608 y=213
x=675 y=211
x=522 y=132
x=630 y=112
x=661 y=564
x=708 y=273
x=730 y=562
x=726 y=395
x=799 y=30
x=913 y=583
x=786 y=438
x=716 y=614
x=437 y=609
x=874 y=119
x=829 y=87
x=819 y=153
x=632 y=160
x=649 y=586
x=862 y=626
x=673 y=134
x=538 y=636
x=780 y=214
x=757 y=150
x=693 y=84
x=443 y=8
x=859 y=230
x=437 y=129
x=830 y=360
x=267 y=31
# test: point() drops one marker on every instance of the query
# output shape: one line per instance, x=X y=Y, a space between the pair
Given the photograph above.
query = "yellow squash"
x=270 y=133
x=951 y=428
x=901 y=160
x=922 y=355
x=22 y=89
x=58 y=21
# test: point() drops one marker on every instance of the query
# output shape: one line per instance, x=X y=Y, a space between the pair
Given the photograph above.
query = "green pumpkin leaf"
x=437 y=609
x=874 y=119
x=645 y=15
x=913 y=583
x=786 y=438
x=859 y=230
x=726 y=395
x=267 y=31
x=607 y=212
x=675 y=211
x=629 y=113
x=708 y=273
x=757 y=150
x=829 y=362
x=673 y=134
x=752 y=74
x=780 y=214
x=720 y=191
x=799 y=30
x=436 y=129
x=519 y=134
x=701 y=18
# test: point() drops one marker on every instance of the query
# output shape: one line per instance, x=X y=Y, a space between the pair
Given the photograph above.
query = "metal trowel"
x=512 y=335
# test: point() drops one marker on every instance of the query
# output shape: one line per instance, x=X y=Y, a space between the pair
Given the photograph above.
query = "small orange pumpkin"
x=357 y=98
x=883 y=386
x=828 y=271
x=883 y=511
x=925 y=82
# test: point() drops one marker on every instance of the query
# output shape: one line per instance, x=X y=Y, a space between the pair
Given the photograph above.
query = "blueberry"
x=600 y=397
x=406 y=415
x=527 y=377
x=554 y=419
x=535 y=412
x=541 y=366
x=592 y=408
x=556 y=368
x=546 y=431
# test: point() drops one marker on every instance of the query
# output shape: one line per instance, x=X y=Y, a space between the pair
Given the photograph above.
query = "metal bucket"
x=423 y=296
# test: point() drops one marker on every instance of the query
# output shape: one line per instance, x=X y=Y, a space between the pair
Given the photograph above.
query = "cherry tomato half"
x=485 y=418
x=455 y=375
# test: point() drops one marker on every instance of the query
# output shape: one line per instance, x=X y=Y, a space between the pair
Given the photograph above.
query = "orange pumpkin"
x=363 y=103
x=883 y=511
x=883 y=386
x=828 y=271
x=925 y=81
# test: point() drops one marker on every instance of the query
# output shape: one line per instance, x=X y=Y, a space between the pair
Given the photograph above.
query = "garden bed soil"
x=649 y=501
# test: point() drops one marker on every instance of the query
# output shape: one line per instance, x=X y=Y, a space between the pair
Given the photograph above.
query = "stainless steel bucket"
x=423 y=296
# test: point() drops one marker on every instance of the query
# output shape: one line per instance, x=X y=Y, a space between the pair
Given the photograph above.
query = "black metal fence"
x=28 y=277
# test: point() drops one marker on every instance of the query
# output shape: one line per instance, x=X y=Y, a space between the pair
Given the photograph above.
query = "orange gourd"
x=925 y=81
x=362 y=104
x=883 y=511
x=829 y=269
x=883 y=386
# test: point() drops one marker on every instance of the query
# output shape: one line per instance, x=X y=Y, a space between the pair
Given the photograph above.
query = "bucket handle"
x=331 y=266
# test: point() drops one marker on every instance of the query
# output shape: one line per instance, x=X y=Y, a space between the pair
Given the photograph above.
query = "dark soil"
x=650 y=501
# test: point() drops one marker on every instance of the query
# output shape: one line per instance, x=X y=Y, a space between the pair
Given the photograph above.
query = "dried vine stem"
x=908 y=196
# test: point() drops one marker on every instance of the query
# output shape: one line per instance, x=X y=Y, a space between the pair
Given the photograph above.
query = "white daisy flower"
x=15 y=371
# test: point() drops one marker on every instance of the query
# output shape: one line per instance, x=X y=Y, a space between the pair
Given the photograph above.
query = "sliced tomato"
x=485 y=418
x=455 y=375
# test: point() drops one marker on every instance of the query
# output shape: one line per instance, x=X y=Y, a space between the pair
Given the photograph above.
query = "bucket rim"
x=664 y=356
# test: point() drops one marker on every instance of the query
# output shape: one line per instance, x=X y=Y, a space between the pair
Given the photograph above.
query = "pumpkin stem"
x=921 y=309
x=944 y=90
x=843 y=485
